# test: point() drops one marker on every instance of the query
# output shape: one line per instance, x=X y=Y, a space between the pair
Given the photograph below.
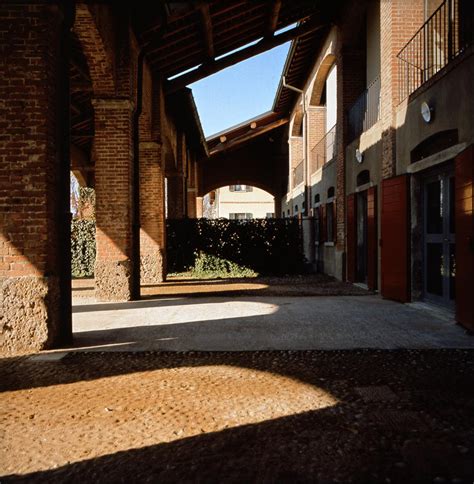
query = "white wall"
x=331 y=98
x=257 y=202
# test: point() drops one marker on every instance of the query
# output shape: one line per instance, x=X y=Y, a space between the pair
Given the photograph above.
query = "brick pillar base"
x=152 y=215
x=29 y=319
x=114 y=269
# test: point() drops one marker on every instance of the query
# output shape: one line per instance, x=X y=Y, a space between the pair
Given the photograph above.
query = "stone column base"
x=152 y=268
x=113 y=280
x=29 y=314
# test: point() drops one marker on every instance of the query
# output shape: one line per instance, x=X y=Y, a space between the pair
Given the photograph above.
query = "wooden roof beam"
x=241 y=55
x=207 y=29
x=253 y=133
x=273 y=18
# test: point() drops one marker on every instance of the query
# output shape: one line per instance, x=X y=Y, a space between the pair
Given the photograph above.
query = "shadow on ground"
x=400 y=416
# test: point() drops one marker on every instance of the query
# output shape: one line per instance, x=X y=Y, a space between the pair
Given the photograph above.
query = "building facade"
x=381 y=156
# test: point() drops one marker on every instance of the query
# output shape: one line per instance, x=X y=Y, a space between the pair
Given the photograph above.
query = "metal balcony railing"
x=298 y=174
x=324 y=150
x=447 y=33
x=365 y=112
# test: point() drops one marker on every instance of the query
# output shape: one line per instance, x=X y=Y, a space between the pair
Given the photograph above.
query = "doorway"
x=362 y=245
x=439 y=245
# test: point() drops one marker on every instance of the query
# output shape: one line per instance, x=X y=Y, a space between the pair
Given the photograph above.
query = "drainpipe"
x=307 y=224
x=305 y=145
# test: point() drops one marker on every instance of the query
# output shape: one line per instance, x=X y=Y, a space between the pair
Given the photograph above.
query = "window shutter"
x=334 y=221
x=395 y=238
x=464 y=216
x=372 y=238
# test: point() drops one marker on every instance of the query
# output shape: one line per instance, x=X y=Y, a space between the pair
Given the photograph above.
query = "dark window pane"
x=452 y=271
x=329 y=221
x=434 y=263
x=434 y=209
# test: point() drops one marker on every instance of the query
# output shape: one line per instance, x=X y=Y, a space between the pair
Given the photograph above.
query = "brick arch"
x=241 y=181
x=297 y=122
x=320 y=80
x=100 y=65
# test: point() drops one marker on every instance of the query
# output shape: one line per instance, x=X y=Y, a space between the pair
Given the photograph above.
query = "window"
x=331 y=192
x=363 y=178
x=330 y=222
x=240 y=188
x=240 y=216
x=270 y=215
x=317 y=198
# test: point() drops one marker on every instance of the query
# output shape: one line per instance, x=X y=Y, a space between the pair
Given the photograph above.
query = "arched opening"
x=238 y=202
x=363 y=178
x=323 y=113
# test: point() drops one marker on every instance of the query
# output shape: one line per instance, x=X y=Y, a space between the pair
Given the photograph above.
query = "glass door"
x=439 y=240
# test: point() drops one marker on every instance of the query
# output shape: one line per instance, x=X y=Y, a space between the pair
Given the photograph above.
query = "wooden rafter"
x=207 y=29
x=232 y=59
x=273 y=18
x=233 y=143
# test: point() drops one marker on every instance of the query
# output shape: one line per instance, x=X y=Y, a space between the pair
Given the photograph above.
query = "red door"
x=464 y=216
x=372 y=238
x=395 y=238
x=351 y=237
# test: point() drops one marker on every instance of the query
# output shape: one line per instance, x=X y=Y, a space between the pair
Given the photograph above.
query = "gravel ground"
x=337 y=416
x=299 y=285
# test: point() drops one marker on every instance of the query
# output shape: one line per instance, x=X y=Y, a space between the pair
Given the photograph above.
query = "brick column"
x=113 y=148
x=176 y=196
x=152 y=214
x=399 y=21
x=34 y=215
x=198 y=207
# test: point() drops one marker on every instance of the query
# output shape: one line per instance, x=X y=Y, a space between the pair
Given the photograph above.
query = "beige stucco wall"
x=257 y=202
x=453 y=103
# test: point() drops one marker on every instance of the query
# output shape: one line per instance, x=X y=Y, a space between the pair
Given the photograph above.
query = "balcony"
x=365 y=112
x=324 y=150
x=445 y=35
x=298 y=174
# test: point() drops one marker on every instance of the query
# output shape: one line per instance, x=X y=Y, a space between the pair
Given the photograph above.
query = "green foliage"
x=210 y=266
x=83 y=247
x=261 y=246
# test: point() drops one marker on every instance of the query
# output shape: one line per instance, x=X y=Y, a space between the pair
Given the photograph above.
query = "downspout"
x=305 y=145
x=136 y=176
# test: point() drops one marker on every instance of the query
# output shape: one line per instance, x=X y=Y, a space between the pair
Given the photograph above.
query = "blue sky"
x=239 y=92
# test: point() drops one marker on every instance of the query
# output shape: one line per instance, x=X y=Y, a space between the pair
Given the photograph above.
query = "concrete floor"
x=263 y=323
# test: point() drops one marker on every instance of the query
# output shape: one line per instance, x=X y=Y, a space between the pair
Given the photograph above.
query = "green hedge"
x=258 y=246
x=83 y=248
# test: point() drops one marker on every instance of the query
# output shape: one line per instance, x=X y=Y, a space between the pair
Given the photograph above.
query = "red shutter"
x=324 y=232
x=372 y=238
x=464 y=207
x=351 y=237
x=395 y=238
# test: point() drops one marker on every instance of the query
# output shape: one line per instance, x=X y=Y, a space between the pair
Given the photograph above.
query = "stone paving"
x=339 y=416
x=263 y=323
